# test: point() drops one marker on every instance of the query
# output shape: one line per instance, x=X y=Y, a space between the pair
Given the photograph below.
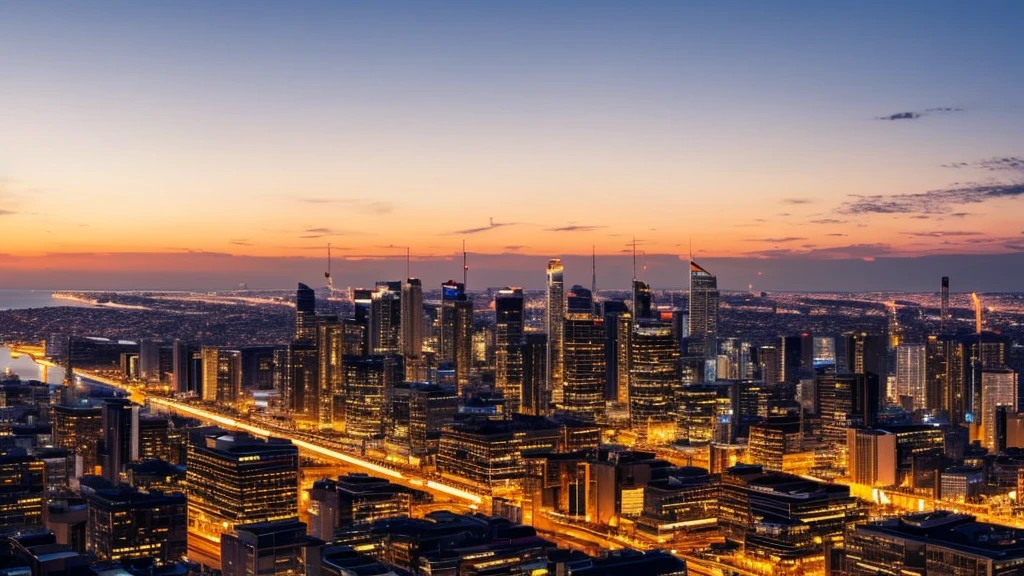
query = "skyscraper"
x=222 y=376
x=412 y=330
x=508 y=336
x=866 y=354
x=456 y=338
x=911 y=374
x=386 y=318
x=654 y=377
x=305 y=314
x=704 y=309
x=998 y=388
x=118 y=417
x=616 y=364
x=536 y=396
x=330 y=344
x=944 y=306
x=584 y=373
x=642 y=300
x=554 y=314
x=368 y=380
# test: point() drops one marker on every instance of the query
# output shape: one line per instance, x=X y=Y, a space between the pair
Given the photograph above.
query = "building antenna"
x=632 y=286
x=465 y=268
x=408 y=263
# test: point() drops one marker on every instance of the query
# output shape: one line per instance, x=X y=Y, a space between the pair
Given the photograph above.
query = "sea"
x=20 y=299
x=23 y=365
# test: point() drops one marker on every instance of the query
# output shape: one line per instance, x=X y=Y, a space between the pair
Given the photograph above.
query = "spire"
x=465 y=269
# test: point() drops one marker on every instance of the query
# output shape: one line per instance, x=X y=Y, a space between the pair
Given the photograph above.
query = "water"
x=19 y=299
x=29 y=370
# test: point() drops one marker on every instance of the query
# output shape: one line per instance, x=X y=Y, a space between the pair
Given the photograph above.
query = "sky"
x=210 y=143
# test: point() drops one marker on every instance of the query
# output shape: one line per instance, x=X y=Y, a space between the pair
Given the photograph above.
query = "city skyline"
x=158 y=139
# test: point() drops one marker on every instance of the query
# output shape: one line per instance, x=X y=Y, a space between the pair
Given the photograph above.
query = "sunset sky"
x=785 y=130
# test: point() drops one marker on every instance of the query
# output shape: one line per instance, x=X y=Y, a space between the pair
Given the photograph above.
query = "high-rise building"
x=330 y=344
x=704 y=309
x=355 y=500
x=431 y=407
x=654 y=378
x=845 y=401
x=871 y=459
x=769 y=364
x=21 y=490
x=235 y=479
x=866 y=354
x=222 y=376
x=911 y=374
x=79 y=428
x=536 y=397
x=303 y=381
x=456 y=337
x=554 y=311
x=998 y=388
x=187 y=362
x=769 y=442
x=270 y=549
x=412 y=330
x=790 y=354
x=125 y=524
x=149 y=360
x=612 y=311
x=584 y=371
x=367 y=380
x=120 y=418
x=509 y=321
x=305 y=314
x=385 y=326
x=643 y=300
x=944 y=306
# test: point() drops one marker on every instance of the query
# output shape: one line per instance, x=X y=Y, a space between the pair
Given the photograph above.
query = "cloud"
x=4 y=212
x=917 y=115
x=491 y=226
x=828 y=221
x=240 y=242
x=932 y=201
x=575 y=228
x=837 y=234
x=515 y=247
x=941 y=234
x=776 y=240
x=796 y=201
x=1013 y=163
x=363 y=205
x=901 y=116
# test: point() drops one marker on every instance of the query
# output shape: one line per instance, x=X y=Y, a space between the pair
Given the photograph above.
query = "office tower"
x=534 y=353
x=79 y=428
x=697 y=409
x=119 y=419
x=125 y=524
x=355 y=500
x=944 y=306
x=508 y=335
x=303 y=381
x=222 y=376
x=824 y=351
x=456 y=338
x=930 y=543
x=936 y=375
x=236 y=479
x=704 y=309
x=385 y=325
x=654 y=378
x=258 y=367
x=791 y=362
x=151 y=439
x=769 y=442
x=866 y=354
x=911 y=374
x=149 y=360
x=330 y=351
x=270 y=549
x=412 y=330
x=584 y=372
x=21 y=490
x=431 y=407
x=769 y=364
x=871 y=459
x=616 y=376
x=623 y=356
x=367 y=380
x=998 y=388
x=642 y=300
x=554 y=311
x=845 y=401
x=187 y=364
x=305 y=314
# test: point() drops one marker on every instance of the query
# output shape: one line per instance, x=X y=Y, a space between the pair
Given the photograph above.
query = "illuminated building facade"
x=616 y=350
x=124 y=524
x=367 y=380
x=21 y=489
x=78 y=428
x=871 y=459
x=152 y=441
x=536 y=397
x=456 y=331
x=120 y=419
x=509 y=322
x=305 y=314
x=412 y=330
x=679 y=499
x=770 y=441
x=697 y=412
x=554 y=311
x=998 y=388
x=237 y=479
x=330 y=344
x=431 y=407
x=488 y=451
x=385 y=320
x=584 y=371
x=355 y=500
x=269 y=549
x=911 y=374
x=654 y=378
x=704 y=309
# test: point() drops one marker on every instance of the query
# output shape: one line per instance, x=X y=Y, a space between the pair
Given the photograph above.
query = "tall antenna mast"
x=408 y=264
x=632 y=287
x=465 y=268
x=689 y=276
x=330 y=279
